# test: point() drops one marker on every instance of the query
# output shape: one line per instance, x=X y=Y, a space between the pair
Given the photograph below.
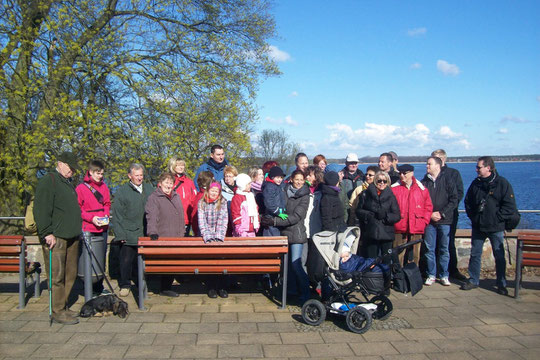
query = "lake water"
x=524 y=177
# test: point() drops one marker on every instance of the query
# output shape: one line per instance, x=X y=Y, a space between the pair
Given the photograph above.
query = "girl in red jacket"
x=244 y=210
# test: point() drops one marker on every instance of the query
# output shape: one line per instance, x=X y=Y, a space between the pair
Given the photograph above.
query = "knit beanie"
x=242 y=180
x=275 y=171
x=331 y=178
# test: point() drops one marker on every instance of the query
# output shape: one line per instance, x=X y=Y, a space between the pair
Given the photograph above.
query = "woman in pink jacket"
x=415 y=208
x=244 y=209
x=95 y=203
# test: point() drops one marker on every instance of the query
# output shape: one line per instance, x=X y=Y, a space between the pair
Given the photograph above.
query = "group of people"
x=388 y=203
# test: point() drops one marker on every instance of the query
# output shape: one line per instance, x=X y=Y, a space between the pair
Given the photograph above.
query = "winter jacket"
x=313 y=221
x=193 y=210
x=89 y=204
x=212 y=222
x=186 y=189
x=56 y=208
x=378 y=213
x=332 y=216
x=273 y=197
x=353 y=203
x=128 y=220
x=242 y=222
x=164 y=215
x=214 y=167
x=394 y=176
x=455 y=178
x=297 y=205
x=226 y=191
x=499 y=203
x=351 y=181
x=415 y=207
x=444 y=197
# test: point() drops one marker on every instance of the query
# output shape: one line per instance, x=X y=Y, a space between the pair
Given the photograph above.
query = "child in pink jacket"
x=244 y=210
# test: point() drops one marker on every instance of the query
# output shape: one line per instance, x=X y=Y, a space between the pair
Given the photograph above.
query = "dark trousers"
x=128 y=266
x=65 y=255
x=452 y=265
x=374 y=248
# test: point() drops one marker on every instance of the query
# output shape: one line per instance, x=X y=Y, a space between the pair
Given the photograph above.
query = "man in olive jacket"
x=129 y=223
x=58 y=218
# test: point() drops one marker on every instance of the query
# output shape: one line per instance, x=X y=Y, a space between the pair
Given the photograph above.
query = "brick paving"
x=439 y=323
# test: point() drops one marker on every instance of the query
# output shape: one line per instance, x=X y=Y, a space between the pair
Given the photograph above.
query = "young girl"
x=213 y=217
x=244 y=210
x=274 y=198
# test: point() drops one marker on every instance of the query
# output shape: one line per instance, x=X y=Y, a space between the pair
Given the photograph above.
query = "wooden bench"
x=13 y=260
x=527 y=253
x=190 y=255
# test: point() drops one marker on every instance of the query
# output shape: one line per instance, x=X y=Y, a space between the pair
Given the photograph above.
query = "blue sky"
x=408 y=76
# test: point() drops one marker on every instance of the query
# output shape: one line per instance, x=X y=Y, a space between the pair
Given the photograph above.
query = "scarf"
x=211 y=162
x=253 y=213
x=291 y=191
x=255 y=186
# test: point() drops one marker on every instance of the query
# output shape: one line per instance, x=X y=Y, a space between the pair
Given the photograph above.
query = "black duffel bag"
x=407 y=278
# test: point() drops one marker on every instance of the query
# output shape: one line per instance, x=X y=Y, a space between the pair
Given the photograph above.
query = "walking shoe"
x=169 y=293
x=124 y=292
x=502 y=290
x=64 y=318
x=223 y=293
x=468 y=286
x=430 y=280
x=71 y=312
x=458 y=276
x=212 y=293
x=445 y=282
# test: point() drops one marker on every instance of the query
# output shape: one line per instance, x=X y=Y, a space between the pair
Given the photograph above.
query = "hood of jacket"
x=303 y=191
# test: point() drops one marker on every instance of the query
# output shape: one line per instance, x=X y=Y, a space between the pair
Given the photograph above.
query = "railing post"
x=87 y=270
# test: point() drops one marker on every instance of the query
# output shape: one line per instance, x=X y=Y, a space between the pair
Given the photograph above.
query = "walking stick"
x=50 y=287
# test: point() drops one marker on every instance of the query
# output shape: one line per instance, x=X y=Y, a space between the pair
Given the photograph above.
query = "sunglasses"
x=381 y=181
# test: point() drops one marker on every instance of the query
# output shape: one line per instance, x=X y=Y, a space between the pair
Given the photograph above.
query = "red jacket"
x=415 y=207
x=89 y=204
x=193 y=210
x=186 y=189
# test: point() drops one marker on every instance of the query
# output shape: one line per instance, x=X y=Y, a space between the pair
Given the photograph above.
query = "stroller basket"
x=374 y=282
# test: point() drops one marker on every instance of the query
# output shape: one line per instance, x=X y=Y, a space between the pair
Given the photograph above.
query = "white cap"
x=242 y=180
x=352 y=157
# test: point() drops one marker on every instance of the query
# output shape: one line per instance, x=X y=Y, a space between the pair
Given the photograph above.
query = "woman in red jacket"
x=183 y=186
x=415 y=207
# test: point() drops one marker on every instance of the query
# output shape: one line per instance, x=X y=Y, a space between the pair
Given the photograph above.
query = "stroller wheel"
x=384 y=307
x=359 y=320
x=313 y=312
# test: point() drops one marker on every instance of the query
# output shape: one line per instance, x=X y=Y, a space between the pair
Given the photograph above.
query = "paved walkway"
x=438 y=323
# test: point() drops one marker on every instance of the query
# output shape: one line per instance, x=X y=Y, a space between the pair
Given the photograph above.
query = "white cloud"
x=513 y=119
x=417 y=31
x=294 y=94
x=416 y=66
x=278 y=55
x=372 y=135
x=502 y=131
x=288 y=120
x=447 y=69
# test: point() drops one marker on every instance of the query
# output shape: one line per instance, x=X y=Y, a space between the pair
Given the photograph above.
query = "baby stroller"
x=373 y=278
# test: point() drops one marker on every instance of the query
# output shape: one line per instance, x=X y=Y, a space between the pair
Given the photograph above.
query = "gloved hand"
x=380 y=214
x=282 y=215
x=154 y=237
x=267 y=220
x=217 y=240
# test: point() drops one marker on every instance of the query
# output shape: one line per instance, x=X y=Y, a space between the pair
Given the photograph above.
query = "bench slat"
x=531 y=256
x=212 y=251
x=535 y=263
x=9 y=268
x=11 y=240
x=10 y=250
x=211 y=269
x=188 y=243
x=269 y=261
x=9 y=261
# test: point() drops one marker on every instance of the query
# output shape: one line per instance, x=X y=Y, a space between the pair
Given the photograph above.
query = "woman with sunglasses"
x=377 y=211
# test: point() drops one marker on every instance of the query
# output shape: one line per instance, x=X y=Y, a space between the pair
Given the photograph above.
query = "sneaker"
x=223 y=293
x=169 y=293
x=64 y=318
x=124 y=292
x=468 y=286
x=445 y=282
x=430 y=280
x=502 y=290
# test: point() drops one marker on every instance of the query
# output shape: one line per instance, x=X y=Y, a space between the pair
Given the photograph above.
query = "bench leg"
x=22 y=277
x=88 y=288
x=285 y=276
x=141 y=283
x=519 y=261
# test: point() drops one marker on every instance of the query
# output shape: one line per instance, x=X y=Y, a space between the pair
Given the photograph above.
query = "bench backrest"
x=234 y=255
x=10 y=250
x=530 y=240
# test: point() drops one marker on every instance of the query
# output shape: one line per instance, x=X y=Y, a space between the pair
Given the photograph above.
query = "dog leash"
x=89 y=248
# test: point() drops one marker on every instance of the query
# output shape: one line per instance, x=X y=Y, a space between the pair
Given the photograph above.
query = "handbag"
x=407 y=278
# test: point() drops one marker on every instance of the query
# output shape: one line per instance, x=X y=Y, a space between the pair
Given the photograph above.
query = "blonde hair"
x=174 y=161
x=203 y=202
x=253 y=172
x=230 y=169
x=383 y=174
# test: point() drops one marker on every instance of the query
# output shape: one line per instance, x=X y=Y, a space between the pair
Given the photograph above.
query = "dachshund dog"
x=105 y=305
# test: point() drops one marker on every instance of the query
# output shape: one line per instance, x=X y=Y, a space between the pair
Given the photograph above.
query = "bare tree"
x=275 y=145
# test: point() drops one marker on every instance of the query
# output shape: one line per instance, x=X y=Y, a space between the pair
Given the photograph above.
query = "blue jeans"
x=298 y=282
x=437 y=236
x=475 y=262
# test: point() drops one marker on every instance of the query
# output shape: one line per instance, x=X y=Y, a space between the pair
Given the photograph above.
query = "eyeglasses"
x=479 y=167
x=381 y=181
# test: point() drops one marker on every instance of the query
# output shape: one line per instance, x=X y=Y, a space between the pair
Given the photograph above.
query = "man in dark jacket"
x=59 y=224
x=129 y=222
x=216 y=164
x=386 y=162
x=455 y=177
x=489 y=202
x=444 y=197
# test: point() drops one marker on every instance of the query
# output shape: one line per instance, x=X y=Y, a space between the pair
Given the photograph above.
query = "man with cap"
x=386 y=162
x=352 y=178
x=415 y=208
x=59 y=223
x=394 y=160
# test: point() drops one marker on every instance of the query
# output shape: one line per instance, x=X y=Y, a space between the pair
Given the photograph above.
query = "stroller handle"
x=400 y=248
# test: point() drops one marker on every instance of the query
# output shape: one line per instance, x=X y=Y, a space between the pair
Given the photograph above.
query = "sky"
x=408 y=76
